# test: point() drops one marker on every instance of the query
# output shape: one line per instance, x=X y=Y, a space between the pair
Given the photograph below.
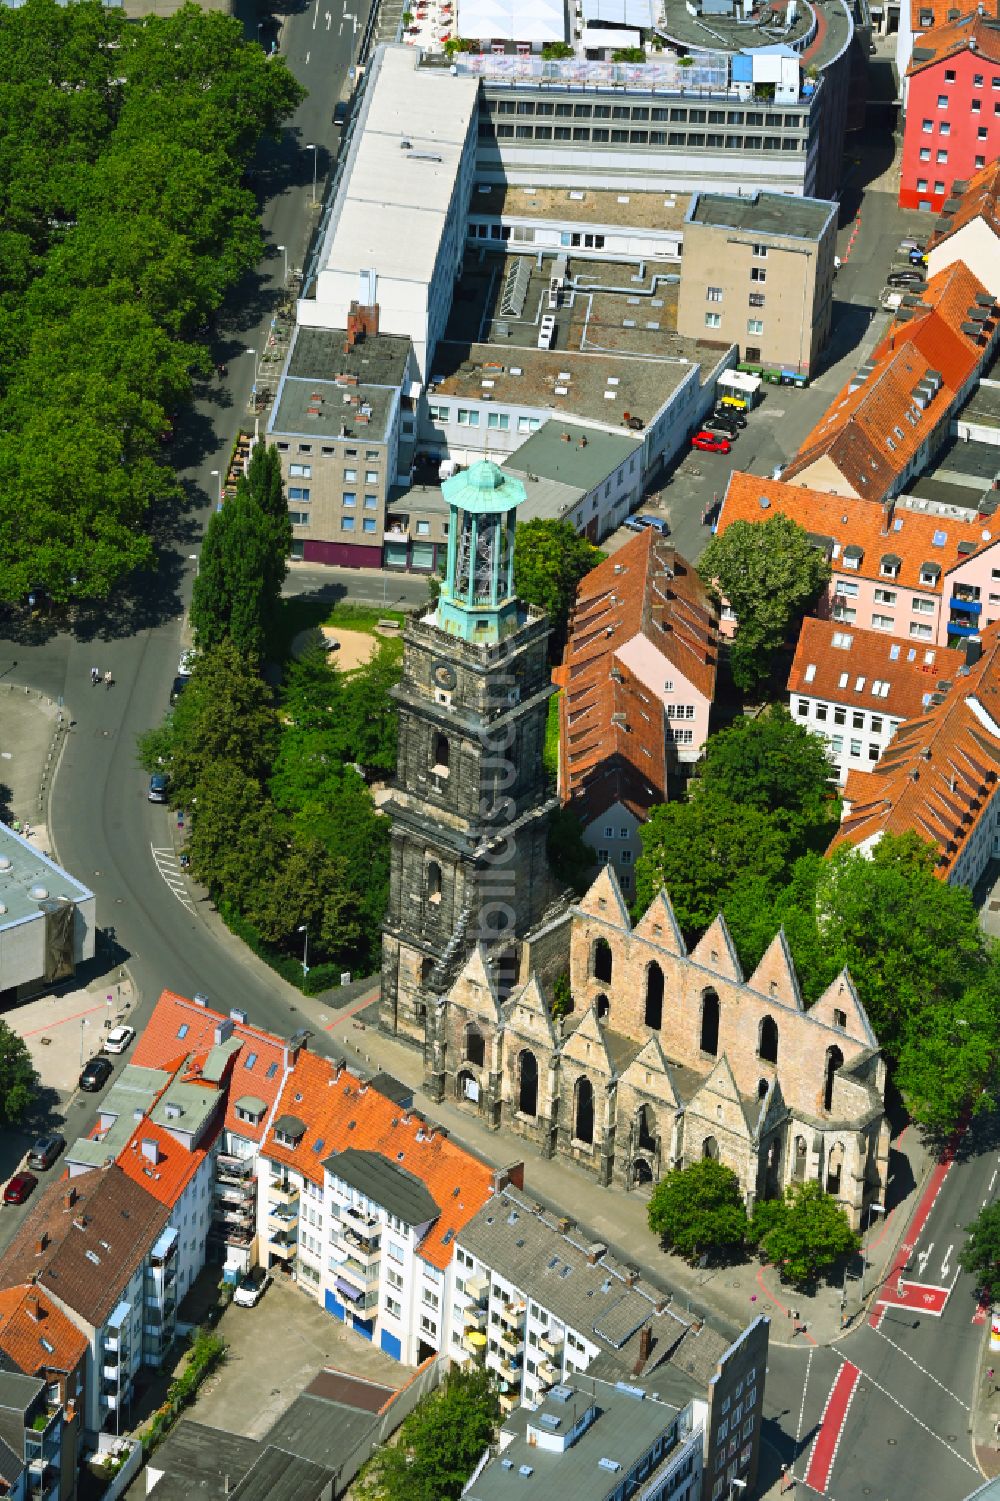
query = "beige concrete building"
x=758 y=272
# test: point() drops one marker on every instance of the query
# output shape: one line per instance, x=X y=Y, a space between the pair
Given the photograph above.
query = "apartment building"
x=44 y=1357
x=345 y=430
x=638 y=678
x=758 y=273
x=968 y=228
x=247 y=1067
x=952 y=126
x=99 y=1248
x=899 y=568
x=940 y=776
x=361 y=1201
x=895 y=412
x=854 y=688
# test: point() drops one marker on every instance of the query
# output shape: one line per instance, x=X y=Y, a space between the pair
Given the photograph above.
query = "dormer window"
x=853 y=556
x=250 y=1109
x=890 y=565
x=929 y=574
x=289 y=1131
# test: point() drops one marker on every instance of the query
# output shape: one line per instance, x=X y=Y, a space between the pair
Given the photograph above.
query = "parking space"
x=275 y=1349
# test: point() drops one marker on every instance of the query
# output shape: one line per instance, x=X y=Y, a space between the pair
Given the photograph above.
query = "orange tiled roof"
x=906 y=388
x=842 y=664
x=893 y=530
x=939 y=772
x=339 y=1114
x=946 y=38
x=975 y=199
x=175 y=1166
x=257 y=1068
x=646 y=590
x=27 y=1317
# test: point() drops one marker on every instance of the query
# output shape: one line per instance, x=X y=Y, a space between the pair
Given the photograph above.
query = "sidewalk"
x=733 y=1294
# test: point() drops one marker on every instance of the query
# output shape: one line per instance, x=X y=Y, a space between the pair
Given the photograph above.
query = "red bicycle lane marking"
x=894 y=1276
x=831 y=1428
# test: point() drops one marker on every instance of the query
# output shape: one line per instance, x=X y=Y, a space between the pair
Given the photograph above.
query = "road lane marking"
x=906 y=1354
x=802 y=1404
x=168 y=878
x=944 y=1264
x=831 y=1427
x=924 y=1257
x=919 y=1421
x=993 y=1179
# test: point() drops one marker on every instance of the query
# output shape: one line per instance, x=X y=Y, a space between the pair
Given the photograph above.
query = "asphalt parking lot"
x=275 y=1350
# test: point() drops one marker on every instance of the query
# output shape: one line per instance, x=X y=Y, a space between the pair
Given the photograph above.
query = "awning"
x=354 y=1293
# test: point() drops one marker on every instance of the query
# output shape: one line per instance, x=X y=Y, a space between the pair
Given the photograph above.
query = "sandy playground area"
x=344 y=649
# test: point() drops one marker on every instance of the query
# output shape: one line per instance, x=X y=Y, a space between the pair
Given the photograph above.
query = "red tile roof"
x=27 y=1317
x=892 y=530
x=828 y=653
x=976 y=199
x=972 y=32
x=647 y=590
x=940 y=771
x=167 y=1177
x=339 y=1113
x=879 y=420
x=257 y=1069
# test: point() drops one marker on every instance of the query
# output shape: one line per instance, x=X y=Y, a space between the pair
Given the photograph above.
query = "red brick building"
x=952 y=110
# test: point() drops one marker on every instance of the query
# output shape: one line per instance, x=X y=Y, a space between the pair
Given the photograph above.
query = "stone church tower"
x=470 y=804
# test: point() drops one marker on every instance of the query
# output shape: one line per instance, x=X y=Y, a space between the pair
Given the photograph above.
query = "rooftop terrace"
x=591 y=206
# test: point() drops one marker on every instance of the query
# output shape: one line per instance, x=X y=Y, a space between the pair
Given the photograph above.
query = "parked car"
x=177 y=688
x=722 y=425
x=917 y=258
x=711 y=442
x=731 y=414
x=158 y=784
x=46 y=1150
x=340 y=114
x=252 y=1288
x=649 y=524
x=19 y=1188
x=185 y=666
x=908 y=242
x=119 y=1039
x=905 y=276
x=96 y=1074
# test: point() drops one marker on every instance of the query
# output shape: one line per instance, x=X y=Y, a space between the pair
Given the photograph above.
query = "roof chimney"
x=33 y=1307
x=595 y=1252
x=41 y=1243
x=973 y=650
x=69 y=1198
x=150 y=1149
x=645 y=1346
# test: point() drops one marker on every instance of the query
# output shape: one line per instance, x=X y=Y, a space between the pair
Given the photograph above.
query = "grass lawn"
x=550 y=750
x=300 y=614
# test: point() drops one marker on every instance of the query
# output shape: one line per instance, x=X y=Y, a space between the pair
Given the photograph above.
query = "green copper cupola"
x=477 y=600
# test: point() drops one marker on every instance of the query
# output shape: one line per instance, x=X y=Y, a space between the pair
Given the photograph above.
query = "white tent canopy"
x=599 y=38
x=512 y=20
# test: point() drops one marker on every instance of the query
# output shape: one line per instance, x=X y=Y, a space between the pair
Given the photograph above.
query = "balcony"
x=366 y=1277
x=475 y=1344
x=547 y=1372
x=550 y=1345
x=283 y=1246
x=477 y=1287
x=236 y=1193
x=282 y=1193
x=474 y=1317
x=965 y=596
x=234 y=1214
x=111 y=1400
x=963 y=626
x=361 y=1248
x=110 y=1372
x=362 y=1224
x=511 y=1314
x=238 y=1170
x=513 y=1344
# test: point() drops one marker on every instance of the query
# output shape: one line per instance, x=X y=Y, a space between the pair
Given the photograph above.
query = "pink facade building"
x=952 y=109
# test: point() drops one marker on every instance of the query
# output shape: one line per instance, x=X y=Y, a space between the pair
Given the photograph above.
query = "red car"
x=711 y=442
x=19 y=1188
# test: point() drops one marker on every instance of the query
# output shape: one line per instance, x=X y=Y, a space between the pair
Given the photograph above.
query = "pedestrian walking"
x=108 y=679
x=95 y=675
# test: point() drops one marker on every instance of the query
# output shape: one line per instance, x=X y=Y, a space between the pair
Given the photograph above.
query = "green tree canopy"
x=439 y=1444
x=773 y=764
x=770 y=573
x=18 y=1079
x=803 y=1233
x=699 y=1208
x=550 y=559
x=702 y=851
x=981 y=1253
x=240 y=574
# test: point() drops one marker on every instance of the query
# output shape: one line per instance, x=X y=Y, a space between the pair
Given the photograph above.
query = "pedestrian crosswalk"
x=168 y=865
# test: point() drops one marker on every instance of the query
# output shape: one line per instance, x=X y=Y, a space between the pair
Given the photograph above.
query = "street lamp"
x=84 y=1024
x=284 y=251
x=217 y=475
x=305 y=951
x=872 y=1209
x=315 y=151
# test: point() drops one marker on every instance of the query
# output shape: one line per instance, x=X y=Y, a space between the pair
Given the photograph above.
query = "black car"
x=905 y=276
x=340 y=114
x=730 y=415
x=96 y=1074
x=179 y=684
x=721 y=425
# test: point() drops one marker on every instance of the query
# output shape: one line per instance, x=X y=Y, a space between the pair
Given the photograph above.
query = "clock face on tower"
x=443 y=675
